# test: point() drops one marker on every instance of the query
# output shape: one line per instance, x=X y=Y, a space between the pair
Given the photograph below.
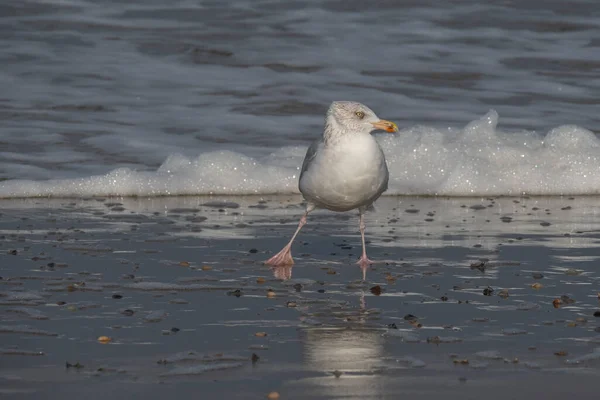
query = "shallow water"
x=462 y=297
x=93 y=86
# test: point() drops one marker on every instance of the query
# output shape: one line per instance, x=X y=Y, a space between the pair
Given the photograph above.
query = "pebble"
x=556 y=303
x=104 y=339
x=376 y=290
x=536 y=286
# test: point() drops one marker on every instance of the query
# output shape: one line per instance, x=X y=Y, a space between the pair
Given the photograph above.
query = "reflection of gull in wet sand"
x=343 y=170
x=283 y=272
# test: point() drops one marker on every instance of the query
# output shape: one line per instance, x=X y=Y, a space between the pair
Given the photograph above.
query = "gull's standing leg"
x=364 y=261
x=284 y=257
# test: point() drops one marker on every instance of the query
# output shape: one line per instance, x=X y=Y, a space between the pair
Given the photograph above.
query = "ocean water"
x=210 y=97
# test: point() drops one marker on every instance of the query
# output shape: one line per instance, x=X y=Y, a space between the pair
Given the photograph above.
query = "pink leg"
x=284 y=257
x=364 y=261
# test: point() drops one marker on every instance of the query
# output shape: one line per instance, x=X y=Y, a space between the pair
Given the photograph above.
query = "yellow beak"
x=385 y=125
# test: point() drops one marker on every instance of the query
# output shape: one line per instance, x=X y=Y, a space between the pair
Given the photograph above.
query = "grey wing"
x=384 y=187
x=386 y=181
x=311 y=153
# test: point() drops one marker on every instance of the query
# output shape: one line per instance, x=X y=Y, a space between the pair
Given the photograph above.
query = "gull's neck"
x=333 y=131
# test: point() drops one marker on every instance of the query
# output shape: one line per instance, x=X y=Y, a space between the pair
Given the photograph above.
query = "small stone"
x=561 y=353
x=260 y=280
x=271 y=293
x=566 y=299
x=260 y=334
x=479 y=266
x=337 y=373
x=376 y=290
x=273 y=396
x=253 y=251
x=291 y=304
x=184 y=263
x=416 y=324
x=537 y=275
x=536 y=286
x=556 y=303
x=117 y=296
x=104 y=339
x=206 y=268
x=503 y=293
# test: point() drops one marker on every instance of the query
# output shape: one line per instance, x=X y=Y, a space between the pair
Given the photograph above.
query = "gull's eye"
x=360 y=114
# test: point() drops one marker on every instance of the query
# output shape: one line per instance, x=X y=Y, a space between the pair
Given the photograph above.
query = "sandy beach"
x=150 y=156
x=470 y=297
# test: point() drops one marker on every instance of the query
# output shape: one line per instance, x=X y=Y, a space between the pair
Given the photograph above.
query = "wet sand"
x=471 y=298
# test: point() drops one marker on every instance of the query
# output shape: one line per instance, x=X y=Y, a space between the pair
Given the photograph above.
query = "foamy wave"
x=477 y=160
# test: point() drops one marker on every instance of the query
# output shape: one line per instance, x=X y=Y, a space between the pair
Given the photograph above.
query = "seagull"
x=342 y=171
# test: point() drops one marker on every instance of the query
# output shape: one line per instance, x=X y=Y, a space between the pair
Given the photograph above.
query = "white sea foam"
x=476 y=160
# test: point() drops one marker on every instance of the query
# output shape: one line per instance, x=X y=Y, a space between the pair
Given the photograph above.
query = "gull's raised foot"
x=283 y=258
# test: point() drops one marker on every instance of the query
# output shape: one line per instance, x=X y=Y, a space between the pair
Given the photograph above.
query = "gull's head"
x=352 y=117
